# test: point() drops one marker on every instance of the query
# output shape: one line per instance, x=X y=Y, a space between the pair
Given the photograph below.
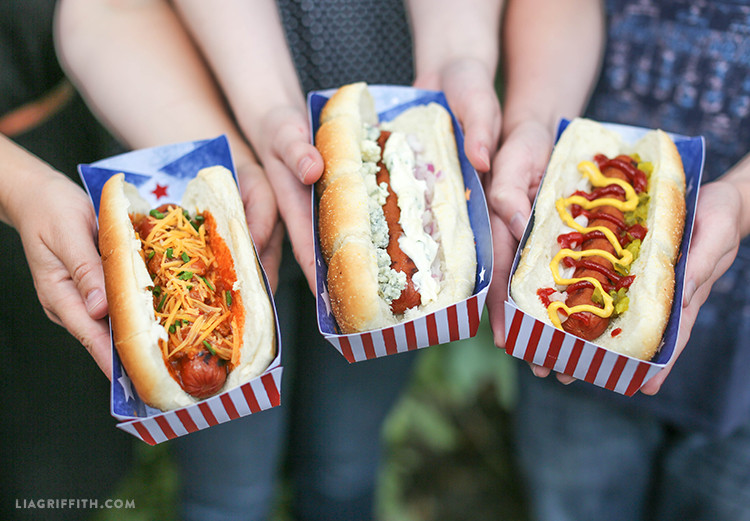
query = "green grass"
x=448 y=439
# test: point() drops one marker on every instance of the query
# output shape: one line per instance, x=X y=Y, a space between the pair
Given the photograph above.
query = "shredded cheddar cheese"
x=189 y=285
x=624 y=257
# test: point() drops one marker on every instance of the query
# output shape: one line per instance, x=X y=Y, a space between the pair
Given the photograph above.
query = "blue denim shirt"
x=684 y=66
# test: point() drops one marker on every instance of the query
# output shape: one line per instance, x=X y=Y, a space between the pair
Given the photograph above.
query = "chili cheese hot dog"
x=189 y=312
x=608 y=221
x=392 y=218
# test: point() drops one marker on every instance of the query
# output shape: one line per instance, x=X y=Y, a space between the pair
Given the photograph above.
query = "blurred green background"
x=448 y=452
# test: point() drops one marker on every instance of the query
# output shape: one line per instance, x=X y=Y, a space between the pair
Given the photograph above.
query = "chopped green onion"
x=185 y=275
x=184 y=257
x=156 y=213
x=197 y=222
x=208 y=346
x=211 y=286
x=151 y=254
x=169 y=253
x=228 y=295
x=156 y=290
x=172 y=328
x=161 y=302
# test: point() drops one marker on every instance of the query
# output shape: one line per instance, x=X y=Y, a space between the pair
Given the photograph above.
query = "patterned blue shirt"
x=684 y=66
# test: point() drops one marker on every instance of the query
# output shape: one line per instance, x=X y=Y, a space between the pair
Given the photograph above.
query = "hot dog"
x=608 y=222
x=400 y=261
x=188 y=307
x=392 y=216
x=586 y=324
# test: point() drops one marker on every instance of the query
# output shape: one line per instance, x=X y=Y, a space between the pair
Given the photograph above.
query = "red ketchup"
x=543 y=294
x=597 y=266
x=624 y=163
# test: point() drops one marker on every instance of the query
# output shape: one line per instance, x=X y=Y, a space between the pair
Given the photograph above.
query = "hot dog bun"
x=636 y=332
x=135 y=328
x=351 y=220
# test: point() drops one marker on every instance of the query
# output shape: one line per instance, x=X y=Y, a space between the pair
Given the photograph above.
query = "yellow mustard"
x=624 y=257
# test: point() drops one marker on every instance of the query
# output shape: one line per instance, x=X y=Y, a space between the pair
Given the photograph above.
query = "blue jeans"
x=325 y=433
x=584 y=458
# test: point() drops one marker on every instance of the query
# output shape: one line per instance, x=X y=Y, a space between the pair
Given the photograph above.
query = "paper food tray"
x=161 y=175
x=455 y=322
x=534 y=341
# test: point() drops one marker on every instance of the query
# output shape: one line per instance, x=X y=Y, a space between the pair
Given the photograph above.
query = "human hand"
x=713 y=247
x=261 y=213
x=516 y=175
x=291 y=164
x=57 y=226
x=516 y=172
x=504 y=246
x=470 y=90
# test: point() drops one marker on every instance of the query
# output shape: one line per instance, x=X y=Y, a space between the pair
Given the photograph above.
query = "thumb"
x=518 y=169
x=509 y=192
x=470 y=91
x=288 y=139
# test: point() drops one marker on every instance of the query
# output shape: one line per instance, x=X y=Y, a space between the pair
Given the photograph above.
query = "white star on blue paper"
x=327 y=300
x=124 y=381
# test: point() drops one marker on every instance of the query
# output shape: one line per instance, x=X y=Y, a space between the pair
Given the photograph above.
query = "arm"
x=739 y=178
x=260 y=82
x=552 y=54
x=723 y=212
x=456 y=48
x=139 y=71
x=56 y=222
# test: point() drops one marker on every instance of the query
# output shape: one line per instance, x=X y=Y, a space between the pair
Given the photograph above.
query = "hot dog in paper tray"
x=192 y=319
x=596 y=287
x=403 y=244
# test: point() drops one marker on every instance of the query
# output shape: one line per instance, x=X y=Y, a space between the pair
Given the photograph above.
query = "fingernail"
x=304 y=167
x=517 y=225
x=94 y=300
x=688 y=294
x=484 y=156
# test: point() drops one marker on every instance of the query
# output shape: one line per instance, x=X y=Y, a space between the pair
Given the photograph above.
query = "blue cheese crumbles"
x=390 y=282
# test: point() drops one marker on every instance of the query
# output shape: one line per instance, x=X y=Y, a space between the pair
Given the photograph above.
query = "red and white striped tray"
x=160 y=174
x=540 y=343
x=254 y=396
x=455 y=322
